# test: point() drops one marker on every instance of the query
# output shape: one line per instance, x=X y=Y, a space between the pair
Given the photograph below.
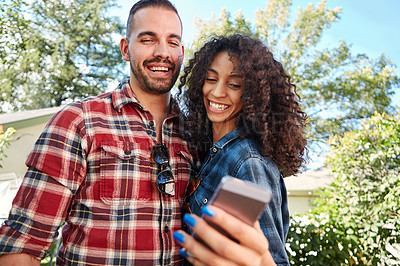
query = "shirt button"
x=205 y=201
x=151 y=123
x=127 y=152
x=214 y=149
x=166 y=228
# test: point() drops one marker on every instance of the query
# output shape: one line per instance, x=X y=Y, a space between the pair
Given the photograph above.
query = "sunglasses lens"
x=165 y=179
x=191 y=187
x=165 y=182
x=165 y=176
x=193 y=184
x=160 y=154
x=185 y=208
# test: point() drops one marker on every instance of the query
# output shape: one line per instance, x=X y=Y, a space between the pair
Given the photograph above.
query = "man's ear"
x=183 y=53
x=124 y=46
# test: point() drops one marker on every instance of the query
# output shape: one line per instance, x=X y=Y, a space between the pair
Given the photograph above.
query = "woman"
x=243 y=113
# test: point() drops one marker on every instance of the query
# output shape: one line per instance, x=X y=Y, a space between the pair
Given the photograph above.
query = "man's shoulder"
x=75 y=111
x=90 y=103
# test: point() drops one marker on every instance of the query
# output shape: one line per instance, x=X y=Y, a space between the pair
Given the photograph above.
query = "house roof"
x=25 y=115
x=310 y=180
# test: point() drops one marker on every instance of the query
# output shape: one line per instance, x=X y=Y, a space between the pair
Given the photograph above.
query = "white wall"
x=299 y=204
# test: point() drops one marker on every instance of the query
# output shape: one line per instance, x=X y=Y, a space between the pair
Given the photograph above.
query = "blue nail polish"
x=208 y=211
x=179 y=237
x=187 y=218
x=183 y=252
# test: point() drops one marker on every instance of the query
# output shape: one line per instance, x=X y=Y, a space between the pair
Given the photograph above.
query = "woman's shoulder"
x=251 y=165
x=248 y=148
x=245 y=150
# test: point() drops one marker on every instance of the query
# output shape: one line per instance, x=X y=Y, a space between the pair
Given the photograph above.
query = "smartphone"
x=243 y=199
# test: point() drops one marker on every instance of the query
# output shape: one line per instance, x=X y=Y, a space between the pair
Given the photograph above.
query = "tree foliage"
x=338 y=89
x=56 y=51
x=5 y=138
x=356 y=219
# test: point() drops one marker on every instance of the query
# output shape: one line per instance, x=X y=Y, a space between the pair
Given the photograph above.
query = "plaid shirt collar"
x=124 y=95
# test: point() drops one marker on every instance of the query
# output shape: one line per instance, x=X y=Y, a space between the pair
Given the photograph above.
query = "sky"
x=371 y=27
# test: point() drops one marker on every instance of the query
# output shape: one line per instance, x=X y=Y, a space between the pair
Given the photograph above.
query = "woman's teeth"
x=219 y=107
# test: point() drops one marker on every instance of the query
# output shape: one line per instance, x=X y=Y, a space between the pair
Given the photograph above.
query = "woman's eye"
x=211 y=80
x=235 y=86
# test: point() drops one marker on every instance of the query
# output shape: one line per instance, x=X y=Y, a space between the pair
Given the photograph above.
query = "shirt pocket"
x=125 y=173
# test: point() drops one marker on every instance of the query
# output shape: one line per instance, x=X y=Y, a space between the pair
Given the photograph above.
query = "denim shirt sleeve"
x=274 y=220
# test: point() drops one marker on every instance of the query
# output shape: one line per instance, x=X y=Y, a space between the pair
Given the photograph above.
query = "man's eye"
x=211 y=80
x=146 y=40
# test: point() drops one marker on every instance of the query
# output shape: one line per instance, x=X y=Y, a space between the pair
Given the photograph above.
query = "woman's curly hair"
x=271 y=114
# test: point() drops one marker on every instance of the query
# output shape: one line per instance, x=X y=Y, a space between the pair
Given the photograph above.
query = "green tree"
x=338 y=89
x=357 y=218
x=5 y=138
x=56 y=51
x=13 y=30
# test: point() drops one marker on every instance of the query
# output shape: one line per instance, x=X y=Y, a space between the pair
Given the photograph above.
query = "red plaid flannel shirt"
x=92 y=168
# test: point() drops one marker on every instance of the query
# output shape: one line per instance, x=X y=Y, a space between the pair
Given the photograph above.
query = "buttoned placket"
x=166 y=206
x=165 y=200
x=213 y=152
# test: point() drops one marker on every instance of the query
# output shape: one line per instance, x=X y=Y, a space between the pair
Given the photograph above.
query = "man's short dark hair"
x=148 y=3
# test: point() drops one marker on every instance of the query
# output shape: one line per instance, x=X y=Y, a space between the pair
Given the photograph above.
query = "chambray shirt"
x=240 y=158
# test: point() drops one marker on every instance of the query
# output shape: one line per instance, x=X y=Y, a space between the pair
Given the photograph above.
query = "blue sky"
x=370 y=26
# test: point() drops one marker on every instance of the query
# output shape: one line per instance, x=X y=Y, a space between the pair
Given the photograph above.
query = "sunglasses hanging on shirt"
x=165 y=178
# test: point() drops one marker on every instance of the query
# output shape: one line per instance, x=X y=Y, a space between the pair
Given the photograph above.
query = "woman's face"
x=222 y=90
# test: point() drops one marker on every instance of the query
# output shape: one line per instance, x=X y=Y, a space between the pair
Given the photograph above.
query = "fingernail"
x=208 y=211
x=179 y=237
x=182 y=251
x=188 y=219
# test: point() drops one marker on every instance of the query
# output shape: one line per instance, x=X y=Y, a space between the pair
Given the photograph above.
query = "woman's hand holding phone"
x=251 y=248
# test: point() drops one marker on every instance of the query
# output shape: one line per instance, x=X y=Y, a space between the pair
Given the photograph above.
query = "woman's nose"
x=219 y=90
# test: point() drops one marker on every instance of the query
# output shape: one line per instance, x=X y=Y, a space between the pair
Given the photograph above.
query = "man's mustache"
x=158 y=60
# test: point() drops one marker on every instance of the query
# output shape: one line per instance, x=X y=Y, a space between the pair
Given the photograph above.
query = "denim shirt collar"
x=225 y=140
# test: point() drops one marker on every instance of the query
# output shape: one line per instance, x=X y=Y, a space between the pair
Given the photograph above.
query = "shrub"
x=5 y=138
x=358 y=215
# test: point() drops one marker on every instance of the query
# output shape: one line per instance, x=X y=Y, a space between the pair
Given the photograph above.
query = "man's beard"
x=154 y=86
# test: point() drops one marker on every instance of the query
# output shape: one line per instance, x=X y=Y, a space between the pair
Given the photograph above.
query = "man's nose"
x=162 y=50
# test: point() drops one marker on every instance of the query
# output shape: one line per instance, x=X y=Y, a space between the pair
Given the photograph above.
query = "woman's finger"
x=196 y=253
x=225 y=249
x=246 y=235
x=250 y=237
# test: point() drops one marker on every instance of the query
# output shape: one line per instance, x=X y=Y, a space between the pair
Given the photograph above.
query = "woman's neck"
x=220 y=130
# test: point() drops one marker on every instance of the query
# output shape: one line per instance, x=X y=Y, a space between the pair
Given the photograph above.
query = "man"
x=113 y=167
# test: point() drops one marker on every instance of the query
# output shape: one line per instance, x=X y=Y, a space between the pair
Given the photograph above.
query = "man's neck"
x=157 y=105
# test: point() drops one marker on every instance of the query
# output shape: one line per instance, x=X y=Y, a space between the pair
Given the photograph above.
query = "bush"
x=5 y=138
x=358 y=215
